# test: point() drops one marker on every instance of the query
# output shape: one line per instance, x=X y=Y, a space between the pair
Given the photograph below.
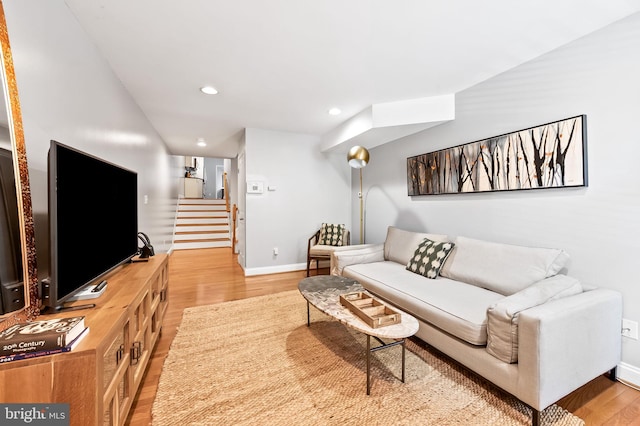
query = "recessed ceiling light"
x=209 y=90
x=201 y=142
x=334 y=111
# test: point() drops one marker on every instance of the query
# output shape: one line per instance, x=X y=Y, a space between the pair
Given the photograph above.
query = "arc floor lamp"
x=358 y=158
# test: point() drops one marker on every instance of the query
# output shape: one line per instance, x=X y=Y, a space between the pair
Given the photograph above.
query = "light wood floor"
x=207 y=276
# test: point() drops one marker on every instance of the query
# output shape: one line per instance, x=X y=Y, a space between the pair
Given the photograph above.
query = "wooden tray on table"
x=373 y=312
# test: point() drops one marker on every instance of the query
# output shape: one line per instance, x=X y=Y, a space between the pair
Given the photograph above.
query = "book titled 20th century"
x=40 y=335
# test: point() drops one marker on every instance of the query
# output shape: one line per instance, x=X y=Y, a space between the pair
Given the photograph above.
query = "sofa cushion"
x=400 y=245
x=457 y=308
x=429 y=258
x=502 y=317
x=331 y=234
x=502 y=268
x=324 y=250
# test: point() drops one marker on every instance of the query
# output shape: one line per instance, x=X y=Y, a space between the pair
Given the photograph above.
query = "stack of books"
x=39 y=338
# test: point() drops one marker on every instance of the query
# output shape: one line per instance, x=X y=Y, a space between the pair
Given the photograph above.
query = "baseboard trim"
x=275 y=269
x=629 y=373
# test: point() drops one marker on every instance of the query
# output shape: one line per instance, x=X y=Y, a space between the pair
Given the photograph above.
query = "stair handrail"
x=226 y=190
x=235 y=219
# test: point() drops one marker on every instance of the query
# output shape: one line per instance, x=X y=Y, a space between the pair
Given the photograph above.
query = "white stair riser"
x=201 y=201
x=201 y=229
x=202 y=214
x=216 y=208
x=210 y=244
x=177 y=238
x=208 y=221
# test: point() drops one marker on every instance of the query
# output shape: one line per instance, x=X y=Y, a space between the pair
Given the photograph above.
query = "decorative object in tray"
x=372 y=311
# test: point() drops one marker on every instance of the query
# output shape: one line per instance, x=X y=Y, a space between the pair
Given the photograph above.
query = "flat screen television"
x=93 y=220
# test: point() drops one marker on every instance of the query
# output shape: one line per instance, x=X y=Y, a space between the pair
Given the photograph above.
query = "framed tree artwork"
x=552 y=155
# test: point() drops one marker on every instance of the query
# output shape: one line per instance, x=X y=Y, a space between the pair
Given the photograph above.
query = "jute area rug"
x=255 y=362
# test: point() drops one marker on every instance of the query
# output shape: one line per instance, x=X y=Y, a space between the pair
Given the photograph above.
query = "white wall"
x=599 y=226
x=311 y=188
x=69 y=93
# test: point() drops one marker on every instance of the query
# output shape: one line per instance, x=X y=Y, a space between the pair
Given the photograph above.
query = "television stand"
x=99 y=378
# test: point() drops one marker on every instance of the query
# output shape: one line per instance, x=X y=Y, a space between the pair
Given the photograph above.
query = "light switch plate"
x=255 y=187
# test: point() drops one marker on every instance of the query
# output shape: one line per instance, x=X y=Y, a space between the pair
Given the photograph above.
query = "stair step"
x=200 y=228
x=202 y=207
x=188 y=221
x=201 y=237
x=204 y=237
x=208 y=232
x=199 y=201
x=198 y=245
x=201 y=214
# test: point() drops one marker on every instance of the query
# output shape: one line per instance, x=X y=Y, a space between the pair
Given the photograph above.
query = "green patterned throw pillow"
x=331 y=234
x=429 y=258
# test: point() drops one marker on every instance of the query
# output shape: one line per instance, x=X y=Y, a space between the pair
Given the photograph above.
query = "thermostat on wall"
x=255 y=187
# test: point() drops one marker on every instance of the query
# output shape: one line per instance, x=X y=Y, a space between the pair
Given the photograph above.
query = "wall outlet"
x=275 y=253
x=630 y=329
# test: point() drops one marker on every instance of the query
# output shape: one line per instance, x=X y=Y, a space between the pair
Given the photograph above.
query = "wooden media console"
x=100 y=377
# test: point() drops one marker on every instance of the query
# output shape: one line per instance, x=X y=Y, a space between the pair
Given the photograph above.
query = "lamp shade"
x=358 y=157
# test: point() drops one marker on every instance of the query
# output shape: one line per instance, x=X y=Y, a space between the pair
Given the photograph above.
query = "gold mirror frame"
x=21 y=171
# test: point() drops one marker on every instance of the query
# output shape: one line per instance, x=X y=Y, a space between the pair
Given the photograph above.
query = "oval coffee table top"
x=323 y=292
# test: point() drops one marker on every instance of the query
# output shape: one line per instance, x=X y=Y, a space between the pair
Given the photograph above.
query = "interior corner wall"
x=231 y=167
x=302 y=188
x=210 y=177
x=69 y=93
x=599 y=226
x=241 y=197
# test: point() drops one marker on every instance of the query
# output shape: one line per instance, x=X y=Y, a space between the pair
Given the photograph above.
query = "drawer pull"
x=119 y=354
x=136 y=351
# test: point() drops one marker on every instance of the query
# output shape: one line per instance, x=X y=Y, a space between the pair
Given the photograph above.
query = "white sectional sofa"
x=506 y=312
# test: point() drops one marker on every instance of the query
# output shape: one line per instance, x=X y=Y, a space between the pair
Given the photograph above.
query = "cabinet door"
x=140 y=348
x=160 y=288
x=116 y=382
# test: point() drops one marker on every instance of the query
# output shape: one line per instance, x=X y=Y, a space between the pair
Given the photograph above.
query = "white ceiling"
x=281 y=64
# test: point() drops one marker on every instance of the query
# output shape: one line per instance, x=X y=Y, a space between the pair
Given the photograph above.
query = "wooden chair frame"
x=316 y=238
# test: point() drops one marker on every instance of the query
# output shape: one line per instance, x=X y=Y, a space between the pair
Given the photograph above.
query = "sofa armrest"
x=502 y=316
x=567 y=343
x=359 y=254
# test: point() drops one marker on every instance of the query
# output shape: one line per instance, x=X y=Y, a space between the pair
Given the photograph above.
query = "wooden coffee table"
x=323 y=292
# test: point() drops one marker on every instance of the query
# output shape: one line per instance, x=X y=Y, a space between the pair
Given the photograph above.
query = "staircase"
x=201 y=223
